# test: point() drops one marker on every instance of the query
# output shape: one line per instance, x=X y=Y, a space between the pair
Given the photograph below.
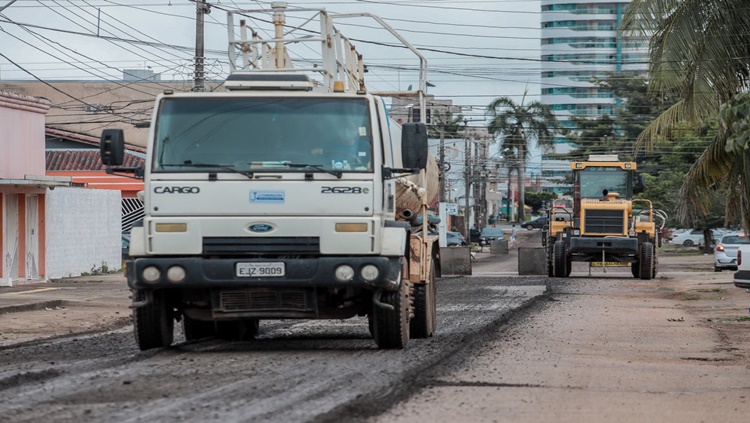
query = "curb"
x=31 y=306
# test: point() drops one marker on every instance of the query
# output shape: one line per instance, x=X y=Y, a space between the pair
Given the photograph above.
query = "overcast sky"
x=476 y=51
x=32 y=34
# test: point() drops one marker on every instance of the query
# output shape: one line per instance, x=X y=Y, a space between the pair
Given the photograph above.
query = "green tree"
x=700 y=55
x=516 y=125
x=537 y=199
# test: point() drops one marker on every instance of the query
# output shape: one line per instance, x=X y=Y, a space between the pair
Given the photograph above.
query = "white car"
x=691 y=238
x=725 y=252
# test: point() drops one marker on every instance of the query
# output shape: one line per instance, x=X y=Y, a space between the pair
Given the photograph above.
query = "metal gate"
x=32 y=237
x=132 y=211
x=11 y=236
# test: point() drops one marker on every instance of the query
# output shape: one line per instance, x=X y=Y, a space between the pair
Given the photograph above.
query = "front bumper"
x=300 y=273
x=613 y=245
x=742 y=279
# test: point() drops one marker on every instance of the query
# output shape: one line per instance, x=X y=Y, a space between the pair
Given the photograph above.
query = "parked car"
x=725 y=252
x=537 y=223
x=690 y=238
x=742 y=275
x=490 y=234
x=455 y=239
x=474 y=235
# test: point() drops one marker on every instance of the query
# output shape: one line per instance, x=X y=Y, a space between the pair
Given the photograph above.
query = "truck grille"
x=604 y=222
x=260 y=245
x=264 y=300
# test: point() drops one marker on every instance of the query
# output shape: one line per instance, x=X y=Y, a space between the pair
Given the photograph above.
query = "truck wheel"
x=560 y=260
x=550 y=255
x=154 y=322
x=425 y=305
x=635 y=269
x=197 y=329
x=237 y=330
x=646 y=260
x=391 y=327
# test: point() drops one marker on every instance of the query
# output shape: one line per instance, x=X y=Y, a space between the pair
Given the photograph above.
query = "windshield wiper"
x=227 y=167
x=316 y=167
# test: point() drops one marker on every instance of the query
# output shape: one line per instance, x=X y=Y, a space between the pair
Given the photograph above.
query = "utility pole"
x=442 y=171
x=467 y=178
x=201 y=9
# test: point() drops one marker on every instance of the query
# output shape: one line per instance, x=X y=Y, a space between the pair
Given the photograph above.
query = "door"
x=11 y=236
x=32 y=237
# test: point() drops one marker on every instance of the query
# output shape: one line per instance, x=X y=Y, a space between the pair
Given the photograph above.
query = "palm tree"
x=516 y=124
x=700 y=54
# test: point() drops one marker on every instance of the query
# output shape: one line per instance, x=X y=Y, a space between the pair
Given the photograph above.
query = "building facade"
x=579 y=42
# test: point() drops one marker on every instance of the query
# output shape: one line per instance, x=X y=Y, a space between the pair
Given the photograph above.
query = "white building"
x=579 y=42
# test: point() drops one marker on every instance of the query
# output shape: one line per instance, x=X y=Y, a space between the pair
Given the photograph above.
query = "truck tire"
x=560 y=260
x=425 y=305
x=154 y=322
x=197 y=329
x=646 y=260
x=550 y=257
x=237 y=330
x=391 y=327
x=635 y=269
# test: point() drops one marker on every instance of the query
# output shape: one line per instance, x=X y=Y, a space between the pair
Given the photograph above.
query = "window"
x=255 y=134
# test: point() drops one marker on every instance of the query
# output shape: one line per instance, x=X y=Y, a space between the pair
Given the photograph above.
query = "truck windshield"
x=257 y=134
x=595 y=179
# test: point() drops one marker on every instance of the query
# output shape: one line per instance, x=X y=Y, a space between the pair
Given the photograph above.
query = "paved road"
x=295 y=371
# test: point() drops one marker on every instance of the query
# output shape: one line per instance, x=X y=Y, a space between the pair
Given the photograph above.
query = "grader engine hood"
x=604 y=217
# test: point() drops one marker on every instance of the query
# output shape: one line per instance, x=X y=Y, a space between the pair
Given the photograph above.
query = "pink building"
x=23 y=185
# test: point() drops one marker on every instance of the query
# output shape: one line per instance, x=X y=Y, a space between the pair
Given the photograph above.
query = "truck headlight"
x=151 y=274
x=369 y=272
x=344 y=273
x=176 y=274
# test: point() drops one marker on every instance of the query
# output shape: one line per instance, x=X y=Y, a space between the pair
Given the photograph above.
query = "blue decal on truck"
x=271 y=197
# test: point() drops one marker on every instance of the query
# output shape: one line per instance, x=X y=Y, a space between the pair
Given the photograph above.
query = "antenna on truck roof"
x=341 y=63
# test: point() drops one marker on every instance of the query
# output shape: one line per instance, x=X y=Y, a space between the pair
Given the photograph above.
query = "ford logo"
x=260 y=227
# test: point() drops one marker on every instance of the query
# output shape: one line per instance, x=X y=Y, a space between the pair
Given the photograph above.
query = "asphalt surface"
x=295 y=371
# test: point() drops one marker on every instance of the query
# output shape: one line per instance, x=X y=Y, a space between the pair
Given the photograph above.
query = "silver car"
x=725 y=252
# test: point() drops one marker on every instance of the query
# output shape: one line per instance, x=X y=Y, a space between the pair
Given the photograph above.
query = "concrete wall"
x=21 y=135
x=455 y=261
x=83 y=231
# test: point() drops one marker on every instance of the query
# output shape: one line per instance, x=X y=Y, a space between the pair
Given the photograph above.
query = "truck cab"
x=279 y=198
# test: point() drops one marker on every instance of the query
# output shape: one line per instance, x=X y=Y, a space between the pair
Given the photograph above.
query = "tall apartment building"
x=579 y=42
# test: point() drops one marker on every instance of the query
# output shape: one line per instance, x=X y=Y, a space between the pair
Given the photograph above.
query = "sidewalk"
x=71 y=305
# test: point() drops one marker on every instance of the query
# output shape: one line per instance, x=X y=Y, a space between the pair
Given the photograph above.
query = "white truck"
x=283 y=197
x=742 y=275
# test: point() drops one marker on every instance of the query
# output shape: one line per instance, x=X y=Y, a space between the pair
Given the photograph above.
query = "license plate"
x=609 y=264
x=261 y=270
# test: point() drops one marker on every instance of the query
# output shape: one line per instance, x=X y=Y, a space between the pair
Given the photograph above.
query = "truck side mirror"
x=414 y=145
x=112 y=147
